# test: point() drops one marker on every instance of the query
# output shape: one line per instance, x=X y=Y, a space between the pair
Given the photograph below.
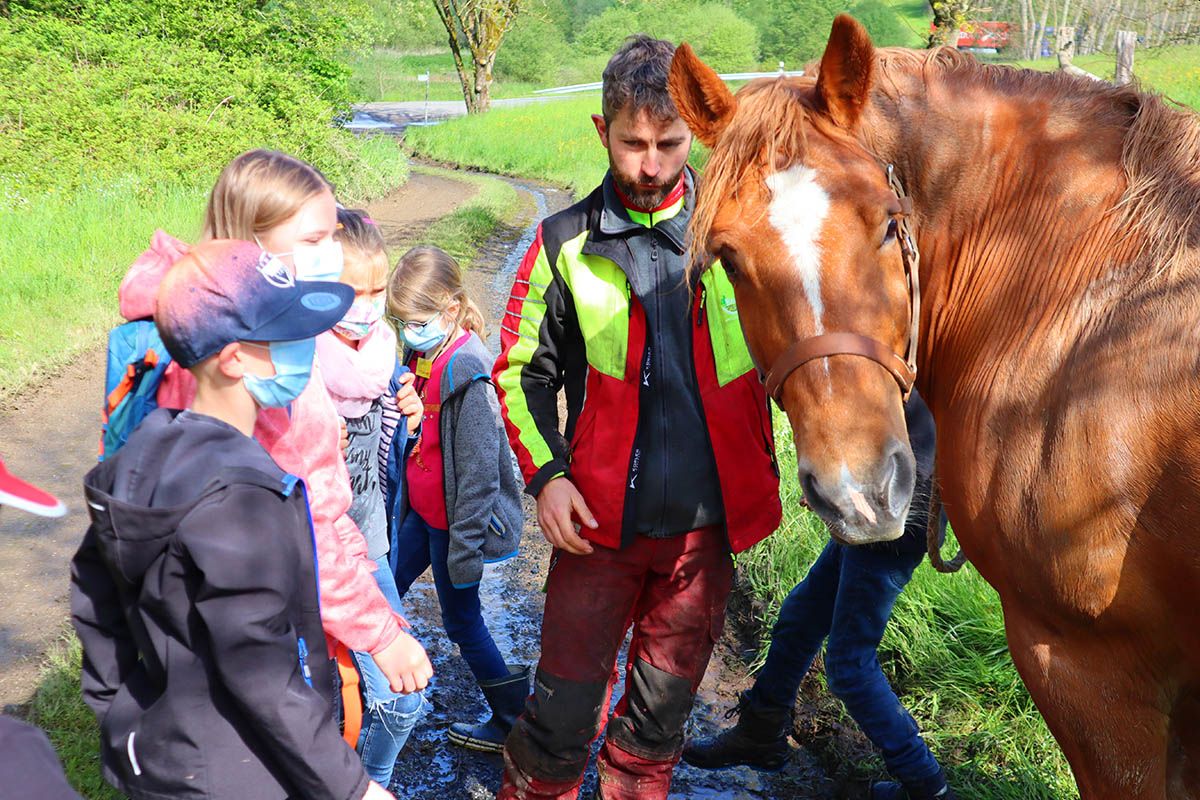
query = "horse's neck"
x=1013 y=202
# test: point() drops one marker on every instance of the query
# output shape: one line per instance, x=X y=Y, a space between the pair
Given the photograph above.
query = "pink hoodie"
x=353 y=610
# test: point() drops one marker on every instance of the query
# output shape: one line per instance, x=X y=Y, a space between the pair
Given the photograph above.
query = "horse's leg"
x=1102 y=706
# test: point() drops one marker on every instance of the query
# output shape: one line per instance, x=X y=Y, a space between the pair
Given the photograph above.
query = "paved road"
x=394 y=117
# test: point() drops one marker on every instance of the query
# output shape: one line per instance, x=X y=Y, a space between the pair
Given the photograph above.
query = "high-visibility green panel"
x=724 y=326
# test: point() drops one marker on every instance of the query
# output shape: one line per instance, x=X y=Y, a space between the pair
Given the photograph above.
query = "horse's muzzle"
x=864 y=510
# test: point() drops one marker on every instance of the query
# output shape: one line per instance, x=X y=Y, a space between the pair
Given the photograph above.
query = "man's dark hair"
x=636 y=78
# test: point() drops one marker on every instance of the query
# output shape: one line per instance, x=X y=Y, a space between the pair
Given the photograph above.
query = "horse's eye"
x=890 y=236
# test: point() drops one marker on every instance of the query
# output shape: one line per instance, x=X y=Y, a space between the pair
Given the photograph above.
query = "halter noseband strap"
x=904 y=370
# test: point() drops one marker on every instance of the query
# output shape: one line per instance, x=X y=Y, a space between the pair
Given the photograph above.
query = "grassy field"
x=946 y=656
x=565 y=150
x=65 y=255
x=1173 y=71
x=391 y=76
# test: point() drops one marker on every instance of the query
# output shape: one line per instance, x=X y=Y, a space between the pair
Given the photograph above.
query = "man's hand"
x=377 y=792
x=405 y=664
x=408 y=402
x=556 y=503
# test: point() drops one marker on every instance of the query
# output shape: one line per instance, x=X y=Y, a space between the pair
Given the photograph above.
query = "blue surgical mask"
x=425 y=338
x=293 y=363
x=321 y=262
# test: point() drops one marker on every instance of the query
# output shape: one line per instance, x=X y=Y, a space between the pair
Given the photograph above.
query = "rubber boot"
x=934 y=788
x=758 y=740
x=506 y=696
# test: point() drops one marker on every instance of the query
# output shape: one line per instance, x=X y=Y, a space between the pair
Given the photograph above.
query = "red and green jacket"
x=573 y=322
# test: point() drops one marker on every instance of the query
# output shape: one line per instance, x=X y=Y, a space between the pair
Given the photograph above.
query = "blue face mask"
x=425 y=338
x=293 y=363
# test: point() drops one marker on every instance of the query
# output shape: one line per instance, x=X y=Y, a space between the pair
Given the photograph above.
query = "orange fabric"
x=352 y=707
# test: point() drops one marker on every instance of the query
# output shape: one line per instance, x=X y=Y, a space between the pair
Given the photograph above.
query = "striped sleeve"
x=529 y=372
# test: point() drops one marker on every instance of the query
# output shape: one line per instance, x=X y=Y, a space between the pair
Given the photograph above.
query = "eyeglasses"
x=412 y=325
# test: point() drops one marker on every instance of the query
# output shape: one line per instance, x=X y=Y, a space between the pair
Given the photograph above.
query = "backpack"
x=137 y=360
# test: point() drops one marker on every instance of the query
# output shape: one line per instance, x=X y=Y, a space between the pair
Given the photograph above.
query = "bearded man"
x=666 y=465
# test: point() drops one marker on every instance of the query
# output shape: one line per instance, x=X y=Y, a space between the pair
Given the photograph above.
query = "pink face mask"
x=363 y=314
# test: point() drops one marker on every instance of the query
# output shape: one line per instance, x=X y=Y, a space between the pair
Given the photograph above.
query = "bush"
x=719 y=36
x=81 y=100
x=886 y=27
x=533 y=51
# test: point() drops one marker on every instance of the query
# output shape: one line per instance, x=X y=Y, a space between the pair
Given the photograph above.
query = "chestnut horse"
x=1058 y=225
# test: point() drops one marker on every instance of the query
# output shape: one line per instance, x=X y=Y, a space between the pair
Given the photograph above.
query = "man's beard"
x=646 y=199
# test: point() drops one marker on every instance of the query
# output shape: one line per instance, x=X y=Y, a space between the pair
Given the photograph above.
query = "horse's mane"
x=1160 y=151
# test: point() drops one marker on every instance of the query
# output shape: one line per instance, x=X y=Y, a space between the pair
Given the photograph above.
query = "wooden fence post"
x=1064 y=45
x=1126 y=40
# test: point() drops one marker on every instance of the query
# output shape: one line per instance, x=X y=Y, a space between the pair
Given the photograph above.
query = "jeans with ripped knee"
x=388 y=717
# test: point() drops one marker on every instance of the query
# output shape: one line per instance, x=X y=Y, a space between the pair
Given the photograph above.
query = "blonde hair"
x=257 y=191
x=362 y=241
x=426 y=281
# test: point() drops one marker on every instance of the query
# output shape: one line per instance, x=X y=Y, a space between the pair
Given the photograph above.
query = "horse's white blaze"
x=798 y=209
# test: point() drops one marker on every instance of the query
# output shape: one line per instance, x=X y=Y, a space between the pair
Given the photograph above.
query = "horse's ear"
x=847 y=71
x=703 y=100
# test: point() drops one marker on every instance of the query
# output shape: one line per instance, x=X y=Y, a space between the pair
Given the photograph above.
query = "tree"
x=476 y=28
x=948 y=19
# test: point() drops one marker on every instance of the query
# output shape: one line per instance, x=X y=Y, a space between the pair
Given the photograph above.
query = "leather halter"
x=904 y=370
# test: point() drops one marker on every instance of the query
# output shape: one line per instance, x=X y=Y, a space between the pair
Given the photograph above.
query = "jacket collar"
x=615 y=220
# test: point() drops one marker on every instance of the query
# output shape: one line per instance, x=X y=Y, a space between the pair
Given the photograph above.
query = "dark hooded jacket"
x=194 y=594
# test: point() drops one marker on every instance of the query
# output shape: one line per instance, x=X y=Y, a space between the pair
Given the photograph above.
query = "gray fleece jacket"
x=483 y=491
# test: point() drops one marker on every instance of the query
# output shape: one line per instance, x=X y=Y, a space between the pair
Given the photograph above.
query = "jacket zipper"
x=302 y=646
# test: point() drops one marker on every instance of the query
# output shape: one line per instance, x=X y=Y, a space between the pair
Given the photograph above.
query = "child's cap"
x=27 y=497
x=226 y=291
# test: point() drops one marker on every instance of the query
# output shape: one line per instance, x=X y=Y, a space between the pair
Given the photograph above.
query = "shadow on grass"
x=58 y=709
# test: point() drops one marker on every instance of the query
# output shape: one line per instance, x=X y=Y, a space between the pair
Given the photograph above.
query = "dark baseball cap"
x=225 y=291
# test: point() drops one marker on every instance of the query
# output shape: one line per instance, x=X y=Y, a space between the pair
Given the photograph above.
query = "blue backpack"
x=137 y=360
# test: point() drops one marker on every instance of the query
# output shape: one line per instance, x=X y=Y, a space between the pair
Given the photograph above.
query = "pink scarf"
x=355 y=378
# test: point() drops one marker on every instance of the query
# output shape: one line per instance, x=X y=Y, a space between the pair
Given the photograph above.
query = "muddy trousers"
x=673 y=592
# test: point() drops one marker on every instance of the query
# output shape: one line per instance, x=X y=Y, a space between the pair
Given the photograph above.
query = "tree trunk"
x=1126 y=40
x=1041 y=30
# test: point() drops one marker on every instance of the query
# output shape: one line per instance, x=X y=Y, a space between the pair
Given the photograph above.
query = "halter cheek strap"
x=904 y=370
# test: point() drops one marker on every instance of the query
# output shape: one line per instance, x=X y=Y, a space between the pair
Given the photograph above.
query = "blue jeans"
x=419 y=545
x=388 y=717
x=848 y=596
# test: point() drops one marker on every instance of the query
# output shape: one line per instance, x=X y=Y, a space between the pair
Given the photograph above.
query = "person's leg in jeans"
x=462 y=615
x=388 y=717
x=409 y=555
x=759 y=739
x=870 y=583
x=804 y=621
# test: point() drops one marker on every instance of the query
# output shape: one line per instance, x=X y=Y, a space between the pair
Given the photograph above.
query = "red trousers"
x=673 y=592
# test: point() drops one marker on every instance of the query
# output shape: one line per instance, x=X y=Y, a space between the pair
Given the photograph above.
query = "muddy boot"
x=934 y=788
x=506 y=696
x=759 y=740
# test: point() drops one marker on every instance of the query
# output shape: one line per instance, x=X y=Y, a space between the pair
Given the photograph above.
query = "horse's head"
x=804 y=222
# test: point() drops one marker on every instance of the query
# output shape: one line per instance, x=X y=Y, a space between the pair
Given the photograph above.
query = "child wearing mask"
x=287 y=207
x=462 y=507
x=194 y=592
x=358 y=360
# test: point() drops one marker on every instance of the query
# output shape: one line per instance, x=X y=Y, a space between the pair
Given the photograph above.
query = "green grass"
x=916 y=16
x=386 y=75
x=1173 y=71
x=946 y=655
x=64 y=255
x=553 y=142
x=58 y=709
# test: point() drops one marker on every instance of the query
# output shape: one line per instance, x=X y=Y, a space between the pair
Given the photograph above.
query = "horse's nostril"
x=815 y=500
x=897 y=480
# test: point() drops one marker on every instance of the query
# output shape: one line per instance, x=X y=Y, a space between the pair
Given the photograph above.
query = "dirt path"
x=50 y=437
